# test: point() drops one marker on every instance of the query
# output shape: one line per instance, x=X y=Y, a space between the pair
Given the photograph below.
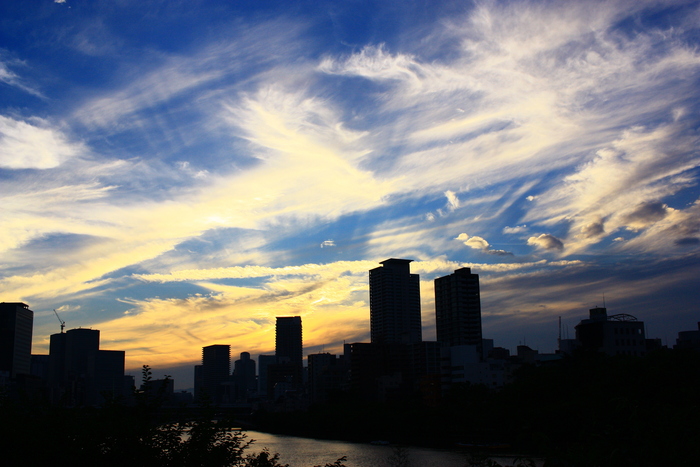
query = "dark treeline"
x=586 y=410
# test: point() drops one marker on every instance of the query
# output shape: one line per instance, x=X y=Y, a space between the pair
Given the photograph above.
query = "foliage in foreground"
x=116 y=435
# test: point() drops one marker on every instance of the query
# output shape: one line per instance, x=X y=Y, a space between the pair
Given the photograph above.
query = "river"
x=306 y=452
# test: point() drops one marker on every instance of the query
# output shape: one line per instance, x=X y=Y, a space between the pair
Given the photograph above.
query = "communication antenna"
x=559 y=340
x=63 y=323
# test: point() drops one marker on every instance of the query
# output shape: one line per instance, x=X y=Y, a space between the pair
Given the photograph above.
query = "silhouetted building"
x=82 y=374
x=394 y=303
x=105 y=376
x=458 y=309
x=328 y=375
x=688 y=340
x=620 y=334
x=385 y=372
x=264 y=361
x=288 y=370
x=16 y=323
x=244 y=382
x=288 y=340
x=198 y=381
x=68 y=364
x=40 y=366
x=216 y=368
x=162 y=390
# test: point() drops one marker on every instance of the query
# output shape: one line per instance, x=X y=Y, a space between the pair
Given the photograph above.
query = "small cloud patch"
x=594 y=229
x=327 y=243
x=479 y=243
x=546 y=242
x=645 y=214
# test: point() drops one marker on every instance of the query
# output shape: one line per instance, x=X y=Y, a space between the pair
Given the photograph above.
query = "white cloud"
x=479 y=243
x=515 y=230
x=546 y=241
x=452 y=200
x=27 y=146
x=327 y=243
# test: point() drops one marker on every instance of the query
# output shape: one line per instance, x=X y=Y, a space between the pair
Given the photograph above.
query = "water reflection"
x=305 y=452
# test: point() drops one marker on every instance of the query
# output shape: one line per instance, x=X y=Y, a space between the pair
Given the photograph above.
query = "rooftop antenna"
x=559 y=340
x=63 y=323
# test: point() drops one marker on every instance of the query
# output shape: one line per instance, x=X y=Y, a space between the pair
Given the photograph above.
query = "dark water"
x=305 y=452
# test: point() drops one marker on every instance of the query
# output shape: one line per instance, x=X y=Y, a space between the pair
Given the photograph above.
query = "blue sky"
x=177 y=174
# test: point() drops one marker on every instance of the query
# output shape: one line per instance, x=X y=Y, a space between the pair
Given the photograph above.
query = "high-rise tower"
x=288 y=340
x=216 y=369
x=16 y=322
x=287 y=373
x=394 y=303
x=458 y=309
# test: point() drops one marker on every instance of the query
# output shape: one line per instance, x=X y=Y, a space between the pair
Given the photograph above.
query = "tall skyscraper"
x=288 y=340
x=16 y=322
x=216 y=369
x=394 y=303
x=458 y=309
x=287 y=373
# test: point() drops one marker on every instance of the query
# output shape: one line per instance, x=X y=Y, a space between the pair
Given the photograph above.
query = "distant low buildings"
x=620 y=334
x=688 y=340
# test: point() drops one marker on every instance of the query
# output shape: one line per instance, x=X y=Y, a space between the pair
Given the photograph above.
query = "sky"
x=177 y=174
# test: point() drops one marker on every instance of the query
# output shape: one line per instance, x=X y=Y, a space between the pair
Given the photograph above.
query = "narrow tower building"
x=394 y=303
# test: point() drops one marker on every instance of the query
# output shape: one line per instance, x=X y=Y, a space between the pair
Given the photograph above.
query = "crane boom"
x=63 y=323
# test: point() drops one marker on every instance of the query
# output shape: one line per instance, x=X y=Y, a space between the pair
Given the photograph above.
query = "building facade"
x=244 y=381
x=620 y=334
x=458 y=309
x=287 y=373
x=216 y=370
x=80 y=373
x=16 y=323
x=394 y=303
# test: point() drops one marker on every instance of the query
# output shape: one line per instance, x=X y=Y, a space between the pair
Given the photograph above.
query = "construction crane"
x=63 y=323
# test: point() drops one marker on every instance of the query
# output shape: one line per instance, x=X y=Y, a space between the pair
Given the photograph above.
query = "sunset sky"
x=177 y=174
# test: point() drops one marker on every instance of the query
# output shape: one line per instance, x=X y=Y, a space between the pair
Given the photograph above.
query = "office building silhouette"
x=288 y=340
x=16 y=322
x=394 y=303
x=619 y=334
x=215 y=371
x=287 y=373
x=244 y=381
x=80 y=373
x=458 y=309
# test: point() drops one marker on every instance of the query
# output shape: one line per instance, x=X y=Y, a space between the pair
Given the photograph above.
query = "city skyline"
x=182 y=190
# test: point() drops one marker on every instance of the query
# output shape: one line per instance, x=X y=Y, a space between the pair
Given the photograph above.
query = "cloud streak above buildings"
x=177 y=176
